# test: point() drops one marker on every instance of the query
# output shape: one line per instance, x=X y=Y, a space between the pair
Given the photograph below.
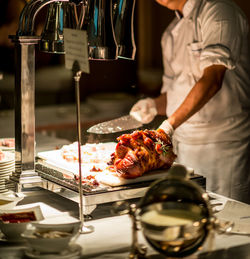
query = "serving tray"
x=110 y=188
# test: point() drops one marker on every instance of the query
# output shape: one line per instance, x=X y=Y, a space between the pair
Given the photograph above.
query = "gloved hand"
x=144 y=110
x=167 y=127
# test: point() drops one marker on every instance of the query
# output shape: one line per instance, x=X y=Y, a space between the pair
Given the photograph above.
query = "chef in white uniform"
x=206 y=93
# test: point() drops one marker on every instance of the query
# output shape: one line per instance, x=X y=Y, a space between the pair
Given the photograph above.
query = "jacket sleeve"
x=223 y=26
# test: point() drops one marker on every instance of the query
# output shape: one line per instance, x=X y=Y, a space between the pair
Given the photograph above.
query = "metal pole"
x=25 y=111
x=84 y=229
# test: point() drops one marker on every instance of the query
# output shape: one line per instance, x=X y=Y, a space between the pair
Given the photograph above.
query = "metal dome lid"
x=175 y=214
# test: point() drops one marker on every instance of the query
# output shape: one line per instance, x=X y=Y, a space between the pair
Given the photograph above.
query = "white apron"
x=226 y=166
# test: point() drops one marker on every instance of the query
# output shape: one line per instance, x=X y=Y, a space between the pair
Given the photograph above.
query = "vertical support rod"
x=78 y=121
x=24 y=107
x=84 y=229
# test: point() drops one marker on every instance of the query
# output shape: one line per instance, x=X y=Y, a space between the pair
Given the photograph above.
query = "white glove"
x=144 y=110
x=167 y=127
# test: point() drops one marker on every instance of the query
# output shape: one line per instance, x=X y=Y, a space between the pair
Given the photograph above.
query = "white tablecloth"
x=111 y=238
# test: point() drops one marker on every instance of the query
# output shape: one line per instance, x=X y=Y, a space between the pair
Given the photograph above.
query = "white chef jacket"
x=210 y=32
x=216 y=140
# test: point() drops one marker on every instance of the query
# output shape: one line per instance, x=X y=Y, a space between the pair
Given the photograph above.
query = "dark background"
x=54 y=84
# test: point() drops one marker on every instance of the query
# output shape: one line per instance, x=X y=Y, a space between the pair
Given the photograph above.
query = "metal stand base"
x=28 y=178
x=86 y=229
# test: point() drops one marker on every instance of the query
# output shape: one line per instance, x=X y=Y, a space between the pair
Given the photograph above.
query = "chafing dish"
x=174 y=215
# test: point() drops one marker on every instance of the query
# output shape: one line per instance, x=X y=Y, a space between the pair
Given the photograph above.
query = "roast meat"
x=140 y=152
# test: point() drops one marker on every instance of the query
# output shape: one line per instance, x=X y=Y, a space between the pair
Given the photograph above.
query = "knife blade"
x=123 y=123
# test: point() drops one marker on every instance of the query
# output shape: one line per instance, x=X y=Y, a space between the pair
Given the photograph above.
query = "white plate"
x=73 y=252
x=7 y=167
x=9 y=158
x=6 y=178
x=6 y=186
x=8 y=163
x=7 y=170
x=5 y=191
x=7 y=183
x=4 y=148
x=5 y=175
x=3 y=239
x=3 y=187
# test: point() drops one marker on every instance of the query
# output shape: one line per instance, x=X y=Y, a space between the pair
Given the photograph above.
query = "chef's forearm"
x=208 y=85
x=161 y=104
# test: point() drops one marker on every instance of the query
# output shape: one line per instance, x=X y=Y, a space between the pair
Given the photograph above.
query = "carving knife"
x=123 y=123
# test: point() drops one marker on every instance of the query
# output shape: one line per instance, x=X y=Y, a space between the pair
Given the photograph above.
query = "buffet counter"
x=112 y=235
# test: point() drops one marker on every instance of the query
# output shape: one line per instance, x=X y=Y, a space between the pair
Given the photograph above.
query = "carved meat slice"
x=140 y=152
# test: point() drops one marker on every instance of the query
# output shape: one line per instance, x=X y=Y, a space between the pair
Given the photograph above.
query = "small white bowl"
x=71 y=227
x=47 y=244
x=8 y=202
x=10 y=226
x=13 y=231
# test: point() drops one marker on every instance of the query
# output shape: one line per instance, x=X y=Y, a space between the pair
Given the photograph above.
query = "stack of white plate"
x=7 y=166
x=7 y=144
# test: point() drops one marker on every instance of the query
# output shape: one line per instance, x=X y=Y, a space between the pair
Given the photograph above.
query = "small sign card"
x=76 y=49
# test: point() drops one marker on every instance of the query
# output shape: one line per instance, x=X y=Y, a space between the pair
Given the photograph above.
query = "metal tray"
x=98 y=195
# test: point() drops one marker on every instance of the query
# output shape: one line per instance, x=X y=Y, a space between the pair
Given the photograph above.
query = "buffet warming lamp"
x=100 y=47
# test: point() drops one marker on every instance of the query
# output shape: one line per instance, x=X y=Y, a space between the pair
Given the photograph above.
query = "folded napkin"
x=239 y=214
